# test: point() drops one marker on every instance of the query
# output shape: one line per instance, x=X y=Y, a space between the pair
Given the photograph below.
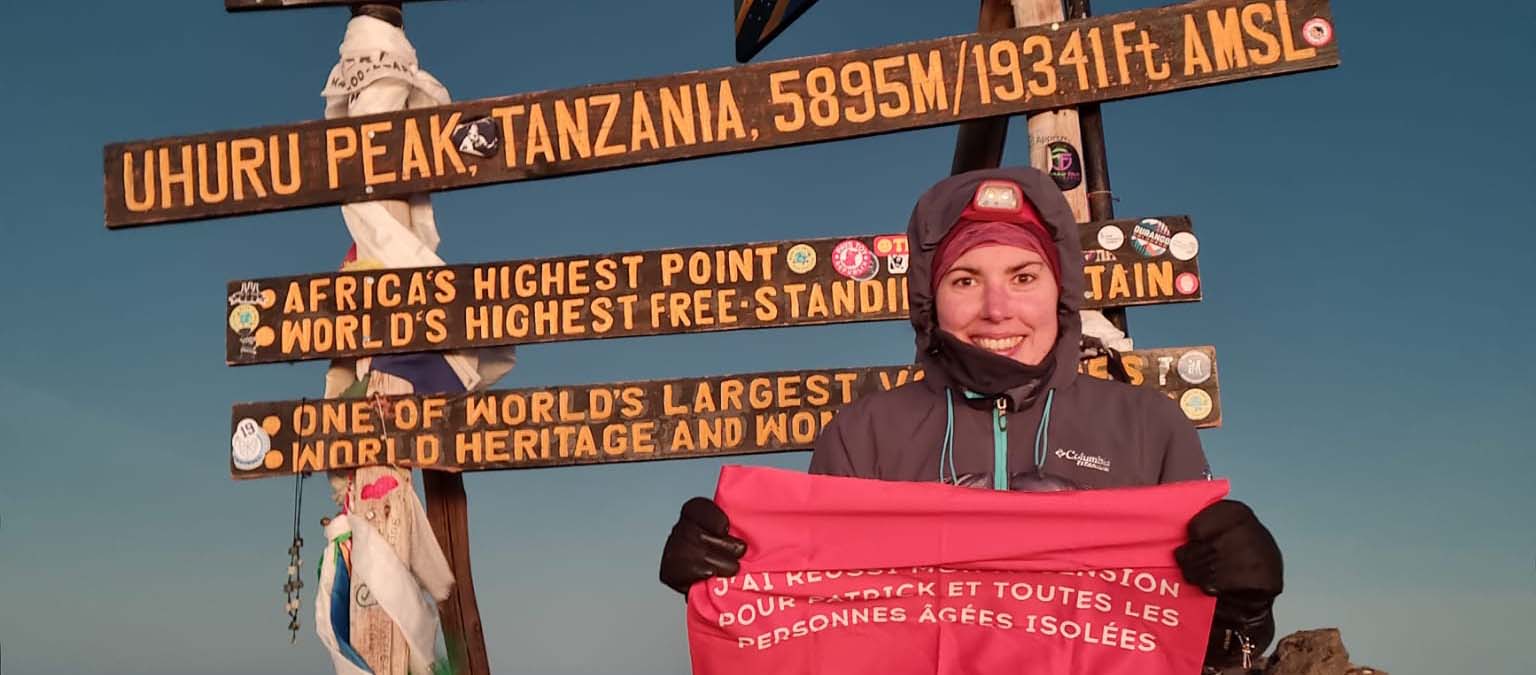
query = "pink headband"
x=968 y=234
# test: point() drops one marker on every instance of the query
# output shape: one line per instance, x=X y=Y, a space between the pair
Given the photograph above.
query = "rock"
x=1314 y=652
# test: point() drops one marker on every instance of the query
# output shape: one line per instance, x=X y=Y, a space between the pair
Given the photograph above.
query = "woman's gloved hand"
x=1232 y=556
x=700 y=546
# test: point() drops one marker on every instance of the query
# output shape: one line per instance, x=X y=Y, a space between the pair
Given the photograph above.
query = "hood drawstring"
x=947 y=451
x=1043 y=434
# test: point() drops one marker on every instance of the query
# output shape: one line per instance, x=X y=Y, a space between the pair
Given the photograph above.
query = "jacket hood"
x=935 y=215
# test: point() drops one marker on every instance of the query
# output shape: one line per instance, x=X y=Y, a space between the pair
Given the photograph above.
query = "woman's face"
x=1002 y=299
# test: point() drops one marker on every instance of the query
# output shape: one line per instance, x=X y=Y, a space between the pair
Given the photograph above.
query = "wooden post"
x=979 y=143
x=1101 y=200
x=448 y=511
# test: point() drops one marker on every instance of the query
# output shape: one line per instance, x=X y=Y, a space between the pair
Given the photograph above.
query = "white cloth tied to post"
x=396 y=585
x=378 y=73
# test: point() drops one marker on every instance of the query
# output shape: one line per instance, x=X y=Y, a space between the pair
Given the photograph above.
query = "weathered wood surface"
x=758 y=22
x=620 y=422
x=712 y=112
x=657 y=292
x=448 y=512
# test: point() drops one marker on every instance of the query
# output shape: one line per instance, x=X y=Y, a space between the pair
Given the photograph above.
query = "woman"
x=995 y=280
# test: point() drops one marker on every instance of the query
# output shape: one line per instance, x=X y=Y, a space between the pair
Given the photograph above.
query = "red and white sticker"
x=1317 y=32
x=1187 y=283
x=852 y=259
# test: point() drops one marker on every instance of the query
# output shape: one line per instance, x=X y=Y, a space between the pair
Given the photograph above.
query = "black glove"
x=700 y=546
x=1232 y=556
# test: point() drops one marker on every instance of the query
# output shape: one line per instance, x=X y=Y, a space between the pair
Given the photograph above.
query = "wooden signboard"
x=657 y=292
x=248 y=5
x=713 y=112
x=615 y=422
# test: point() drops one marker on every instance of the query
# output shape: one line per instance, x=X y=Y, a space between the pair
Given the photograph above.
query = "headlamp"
x=995 y=195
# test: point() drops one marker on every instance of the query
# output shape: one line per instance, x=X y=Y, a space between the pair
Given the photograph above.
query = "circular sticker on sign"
x=1317 y=32
x=248 y=447
x=1196 y=404
x=801 y=258
x=1184 y=245
x=244 y=317
x=1150 y=238
x=1066 y=166
x=1187 y=283
x=1194 y=367
x=1111 y=237
x=852 y=259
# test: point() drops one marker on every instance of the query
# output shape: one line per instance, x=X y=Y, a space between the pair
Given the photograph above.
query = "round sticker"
x=1196 y=404
x=1184 y=245
x=801 y=258
x=1066 y=167
x=244 y=317
x=1317 y=32
x=854 y=260
x=1150 y=238
x=1194 y=367
x=249 y=446
x=1111 y=237
x=1187 y=283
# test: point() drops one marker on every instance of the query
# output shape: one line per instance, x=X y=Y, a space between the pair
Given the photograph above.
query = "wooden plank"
x=713 y=112
x=656 y=292
x=250 y=5
x=616 y=422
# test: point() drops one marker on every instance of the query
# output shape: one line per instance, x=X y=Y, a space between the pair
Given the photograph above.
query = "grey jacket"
x=1099 y=433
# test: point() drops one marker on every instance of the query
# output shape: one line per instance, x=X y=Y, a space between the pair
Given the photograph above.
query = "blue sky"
x=1361 y=232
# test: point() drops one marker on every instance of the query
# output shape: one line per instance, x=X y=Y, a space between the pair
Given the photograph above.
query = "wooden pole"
x=979 y=143
x=1101 y=200
x=448 y=511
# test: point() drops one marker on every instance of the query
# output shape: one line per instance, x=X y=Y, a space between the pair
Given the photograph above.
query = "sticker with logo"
x=1184 y=245
x=249 y=445
x=1196 y=404
x=244 y=318
x=801 y=258
x=897 y=263
x=1317 y=32
x=1098 y=255
x=1066 y=166
x=1186 y=283
x=1084 y=460
x=1111 y=237
x=891 y=244
x=1150 y=238
x=852 y=259
x=1195 y=367
x=478 y=138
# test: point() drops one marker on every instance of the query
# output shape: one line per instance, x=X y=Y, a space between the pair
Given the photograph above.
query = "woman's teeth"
x=999 y=344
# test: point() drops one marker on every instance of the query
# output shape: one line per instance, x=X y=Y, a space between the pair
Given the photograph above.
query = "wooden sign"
x=713 y=112
x=617 y=422
x=760 y=21
x=248 y=5
x=658 y=292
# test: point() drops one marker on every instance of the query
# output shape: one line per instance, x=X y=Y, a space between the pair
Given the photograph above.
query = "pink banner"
x=849 y=576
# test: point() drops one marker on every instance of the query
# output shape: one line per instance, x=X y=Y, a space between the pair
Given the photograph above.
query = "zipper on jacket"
x=1000 y=444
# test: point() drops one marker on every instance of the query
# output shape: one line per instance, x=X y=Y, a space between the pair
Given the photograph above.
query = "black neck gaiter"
x=983 y=372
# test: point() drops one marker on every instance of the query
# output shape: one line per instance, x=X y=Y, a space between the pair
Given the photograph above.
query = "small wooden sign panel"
x=658 y=292
x=713 y=112
x=616 y=422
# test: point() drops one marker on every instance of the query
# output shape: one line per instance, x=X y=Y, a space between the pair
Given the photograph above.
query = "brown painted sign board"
x=657 y=292
x=617 y=422
x=713 y=112
x=249 y=5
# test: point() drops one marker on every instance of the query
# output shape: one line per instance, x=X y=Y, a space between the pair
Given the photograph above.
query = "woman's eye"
x=1023 y=278
x=963 y=282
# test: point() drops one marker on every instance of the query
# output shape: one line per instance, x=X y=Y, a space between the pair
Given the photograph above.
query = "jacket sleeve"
x=1183 y=457
x=830 y=456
